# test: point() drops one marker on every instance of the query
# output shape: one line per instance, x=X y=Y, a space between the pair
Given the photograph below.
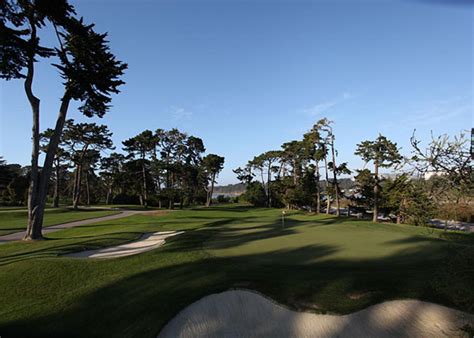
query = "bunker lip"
x=244 y=313
x=147 y=242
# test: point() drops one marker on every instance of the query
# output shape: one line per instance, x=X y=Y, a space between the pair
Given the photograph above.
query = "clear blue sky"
x=247 y=76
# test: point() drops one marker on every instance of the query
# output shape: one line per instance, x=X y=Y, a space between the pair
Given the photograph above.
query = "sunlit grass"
x=314 y=262
x=16 y=220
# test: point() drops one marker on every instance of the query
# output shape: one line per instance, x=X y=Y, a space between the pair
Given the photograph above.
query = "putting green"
x=307 y=239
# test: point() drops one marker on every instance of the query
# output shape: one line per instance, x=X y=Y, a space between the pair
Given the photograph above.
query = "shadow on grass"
x=140 y=304
x=81 y=243
x=152 y=289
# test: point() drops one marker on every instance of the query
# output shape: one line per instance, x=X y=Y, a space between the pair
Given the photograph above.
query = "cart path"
x=17 y=236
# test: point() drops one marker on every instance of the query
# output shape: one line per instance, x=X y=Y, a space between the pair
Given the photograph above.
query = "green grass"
x=313 y=263
x=16 y=220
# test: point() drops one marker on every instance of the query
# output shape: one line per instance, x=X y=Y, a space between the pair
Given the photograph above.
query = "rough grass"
x=315 y=263
x=16 y=220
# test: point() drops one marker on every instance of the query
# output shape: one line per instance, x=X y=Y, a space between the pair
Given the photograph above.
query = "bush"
x=16 y=192
x=223 y=199
x=463 y=212
x=126 y=199
x=255 y=194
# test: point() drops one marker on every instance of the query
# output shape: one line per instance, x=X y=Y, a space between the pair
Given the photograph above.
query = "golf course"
x=236 y=169
x=314 y=263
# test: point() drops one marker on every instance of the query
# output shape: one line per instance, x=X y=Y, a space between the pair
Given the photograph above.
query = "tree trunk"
x=88 y=202
x=37 y=201
x=265 y=187
x=328 y=198
x=56 y=186
x=376 y=191
x=145 y=188
x=77 y=188
x=32 y=229
x=269 y=177
x=171 y=198
x=318 y=190
x=336 y=188
x=295 y=174
x=109 y=196
x=78 y=178
x=209 y=199
x=159 y=189
x=74 y=185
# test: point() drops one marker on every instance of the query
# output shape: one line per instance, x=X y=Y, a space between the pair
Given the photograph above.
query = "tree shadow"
x=140 y=304
x=83 y=243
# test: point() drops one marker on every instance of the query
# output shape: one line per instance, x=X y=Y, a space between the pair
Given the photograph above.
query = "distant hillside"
x=230 y=189
x=346 y=183
x=239 y=188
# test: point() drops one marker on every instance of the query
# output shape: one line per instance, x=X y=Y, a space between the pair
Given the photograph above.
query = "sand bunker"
x=147 y=242
x=241 y=313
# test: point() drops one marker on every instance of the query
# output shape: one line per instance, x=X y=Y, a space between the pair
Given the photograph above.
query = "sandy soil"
x=147 y=242
x=240 y=313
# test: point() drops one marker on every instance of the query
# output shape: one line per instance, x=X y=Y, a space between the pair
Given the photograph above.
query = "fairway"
x=315 y=263
x=16 y=220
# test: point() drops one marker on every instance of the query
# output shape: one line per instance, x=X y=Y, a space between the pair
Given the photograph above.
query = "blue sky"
x=247 y=76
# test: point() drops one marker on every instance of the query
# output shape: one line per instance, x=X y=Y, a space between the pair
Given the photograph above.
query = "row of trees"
x=291 y=176
x=169 y=161
x=306 y=174
x=156 y=168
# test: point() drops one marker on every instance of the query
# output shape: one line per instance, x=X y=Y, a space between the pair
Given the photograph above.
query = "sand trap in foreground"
x=241 y=313
x=147 y=242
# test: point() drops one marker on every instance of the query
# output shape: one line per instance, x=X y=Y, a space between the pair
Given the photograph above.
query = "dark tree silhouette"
x=141 y=145
x=90 y=73
x=384 y=153
x=212 y=165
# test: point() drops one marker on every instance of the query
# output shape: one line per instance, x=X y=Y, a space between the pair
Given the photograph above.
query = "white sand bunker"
x=147 y=242
x=247 y=314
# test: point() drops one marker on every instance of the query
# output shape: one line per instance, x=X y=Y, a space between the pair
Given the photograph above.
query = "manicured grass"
x=329 y=240
x=316 y=263
x=16 y=220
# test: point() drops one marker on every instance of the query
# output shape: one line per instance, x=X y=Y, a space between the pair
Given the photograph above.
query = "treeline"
x=160 y=168
x=434 y=181
x=230 y=189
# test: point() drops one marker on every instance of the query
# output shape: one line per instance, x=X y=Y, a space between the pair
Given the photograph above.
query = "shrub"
x=223 y=199
x=255 y=194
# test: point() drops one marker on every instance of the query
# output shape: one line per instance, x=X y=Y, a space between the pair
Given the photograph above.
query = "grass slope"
x=318 y=263
x=16 y=220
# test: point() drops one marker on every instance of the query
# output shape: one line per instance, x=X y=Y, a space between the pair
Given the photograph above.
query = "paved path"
x=147 y=242
x=17 y=236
